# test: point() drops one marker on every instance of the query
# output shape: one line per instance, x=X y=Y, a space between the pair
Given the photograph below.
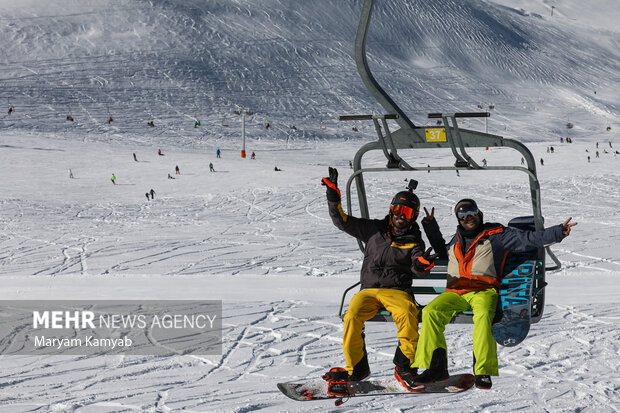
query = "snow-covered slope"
x=261 y=240
x=291 y=62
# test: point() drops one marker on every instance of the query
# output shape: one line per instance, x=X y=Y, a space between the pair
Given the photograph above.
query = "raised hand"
x=429 y=217
x=333 y=193
x=566 y=226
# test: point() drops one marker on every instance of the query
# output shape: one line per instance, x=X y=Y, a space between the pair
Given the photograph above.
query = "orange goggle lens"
x=403 y=210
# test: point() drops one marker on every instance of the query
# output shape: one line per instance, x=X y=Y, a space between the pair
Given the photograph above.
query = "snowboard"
x=317 y=389
x=515 y=300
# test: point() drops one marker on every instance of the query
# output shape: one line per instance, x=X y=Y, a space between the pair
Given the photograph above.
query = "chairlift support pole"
x=243 y=134
x=449 y=135
x=410 y=136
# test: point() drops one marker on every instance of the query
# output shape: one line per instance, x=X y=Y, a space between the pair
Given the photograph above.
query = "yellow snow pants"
x=440 y=311
x=363 y=306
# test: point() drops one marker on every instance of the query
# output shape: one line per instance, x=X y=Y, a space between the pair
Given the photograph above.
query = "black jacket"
x=388 y=258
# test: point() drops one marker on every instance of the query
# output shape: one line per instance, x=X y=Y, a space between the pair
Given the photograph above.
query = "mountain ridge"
x=292 y=63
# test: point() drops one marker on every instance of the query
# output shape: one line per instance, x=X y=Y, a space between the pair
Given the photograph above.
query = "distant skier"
x=11 y=110
x=151 y=124
x=152 y=193
x=211 y=167
x=253 y=156
x=484 y=162
x=147 y=196
x=177 y=171
x=110 y=120
x=70 y=118
x=113 y=179
x=350 y=165
x=588 y=158
x=197 y=124
x=170 y=176
x=135 y=158
x=159 y=152
x=542 y=162
x=597 y=154
x=70 y=174
x=277 y=169
x=218 y=153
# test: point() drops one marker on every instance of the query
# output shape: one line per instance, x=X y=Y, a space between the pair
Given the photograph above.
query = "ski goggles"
x=467 y=211
x=408 y=212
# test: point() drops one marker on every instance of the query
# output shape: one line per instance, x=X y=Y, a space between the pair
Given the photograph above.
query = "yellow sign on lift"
x=436 y=135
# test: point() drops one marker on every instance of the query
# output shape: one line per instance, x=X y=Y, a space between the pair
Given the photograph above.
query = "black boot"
x=403 y=372
x=338 y=379
x=438 y=370
x=483 y=381
x=361 y=370
x=406 y=377
x=400 y=359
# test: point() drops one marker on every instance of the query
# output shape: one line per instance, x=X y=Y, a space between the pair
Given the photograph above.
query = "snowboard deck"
x=515 y=300
x=317 y=389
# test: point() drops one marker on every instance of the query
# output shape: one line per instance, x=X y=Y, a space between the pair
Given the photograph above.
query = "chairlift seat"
x=439 y=272
x=449 y=136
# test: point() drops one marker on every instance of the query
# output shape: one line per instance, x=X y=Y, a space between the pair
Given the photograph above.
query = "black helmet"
x=408 y=199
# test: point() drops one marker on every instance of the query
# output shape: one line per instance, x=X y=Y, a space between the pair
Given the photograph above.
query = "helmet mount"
x=412 y=185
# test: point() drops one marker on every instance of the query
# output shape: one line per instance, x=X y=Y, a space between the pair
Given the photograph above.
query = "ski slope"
x=261 y=240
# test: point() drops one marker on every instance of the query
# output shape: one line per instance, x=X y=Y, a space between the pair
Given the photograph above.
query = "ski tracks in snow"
x=269 y=342
x=571 y=354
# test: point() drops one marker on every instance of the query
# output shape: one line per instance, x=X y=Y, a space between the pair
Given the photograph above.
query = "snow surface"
x=261 y=240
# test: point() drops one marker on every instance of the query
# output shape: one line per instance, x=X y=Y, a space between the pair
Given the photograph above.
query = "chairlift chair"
x=448 y=135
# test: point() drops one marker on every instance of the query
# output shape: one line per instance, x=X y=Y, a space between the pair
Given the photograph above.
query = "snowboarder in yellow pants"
x=363 y=306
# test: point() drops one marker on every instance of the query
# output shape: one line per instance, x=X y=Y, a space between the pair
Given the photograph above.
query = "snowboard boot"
x=361 y=371
x=483 y=381
x=337 y=379
x=336 y=374
x=437 y=371
x=406 y=377
x=403 y=371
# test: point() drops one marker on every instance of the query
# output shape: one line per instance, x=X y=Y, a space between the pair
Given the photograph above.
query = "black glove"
x=425 y=261
x=333 y=193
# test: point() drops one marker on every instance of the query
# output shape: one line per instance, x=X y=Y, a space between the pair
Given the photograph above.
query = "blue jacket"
x=482 y=265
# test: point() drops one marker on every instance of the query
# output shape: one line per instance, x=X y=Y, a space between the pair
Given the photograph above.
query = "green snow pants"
x=440 y=311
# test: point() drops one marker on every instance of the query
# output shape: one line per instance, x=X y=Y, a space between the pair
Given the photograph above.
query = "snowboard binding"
x=337 y=381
